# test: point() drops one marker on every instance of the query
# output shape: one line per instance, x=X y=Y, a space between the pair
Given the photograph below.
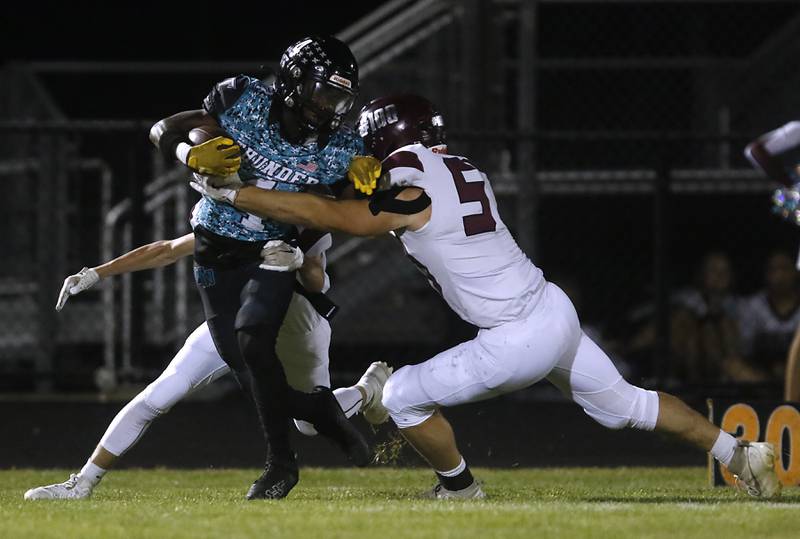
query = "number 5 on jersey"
x=474 y=191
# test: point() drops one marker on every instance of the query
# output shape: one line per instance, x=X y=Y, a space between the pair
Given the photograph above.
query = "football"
x=199 y=135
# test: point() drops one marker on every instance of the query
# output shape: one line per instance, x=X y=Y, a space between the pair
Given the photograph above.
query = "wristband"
x=169 y=141
x=182 y=152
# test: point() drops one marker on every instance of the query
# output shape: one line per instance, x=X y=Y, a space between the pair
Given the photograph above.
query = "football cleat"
x=278 y=479
x=472 y=492
x=330 y=421
x=372 y=383
x=73 y=488
x=753 y=466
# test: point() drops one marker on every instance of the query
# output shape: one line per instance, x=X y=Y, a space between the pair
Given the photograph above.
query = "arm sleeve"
x=314 y=243
x=783 y=139
x=224 y=95
x=777 y=153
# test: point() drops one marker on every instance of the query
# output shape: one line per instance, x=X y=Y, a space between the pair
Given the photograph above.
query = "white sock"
x=455 y=471
x=91 y=473
x=350 y=400
x=724 y=448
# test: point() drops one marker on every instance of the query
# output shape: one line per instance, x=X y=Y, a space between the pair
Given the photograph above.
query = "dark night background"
x=256 y=32
x=634 y=88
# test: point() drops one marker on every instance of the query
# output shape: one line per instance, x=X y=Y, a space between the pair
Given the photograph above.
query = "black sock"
x=457 y=482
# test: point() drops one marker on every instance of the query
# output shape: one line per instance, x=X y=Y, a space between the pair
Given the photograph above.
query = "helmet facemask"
x=323 y=104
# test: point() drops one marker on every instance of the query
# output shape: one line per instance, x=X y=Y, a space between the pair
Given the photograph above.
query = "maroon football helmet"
x=388 y=123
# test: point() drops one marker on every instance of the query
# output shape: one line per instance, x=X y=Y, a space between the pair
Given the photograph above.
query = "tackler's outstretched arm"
x=153 y=255
x=355 y=217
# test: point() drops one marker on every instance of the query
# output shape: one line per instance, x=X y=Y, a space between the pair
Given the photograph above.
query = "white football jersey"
x=465 y=250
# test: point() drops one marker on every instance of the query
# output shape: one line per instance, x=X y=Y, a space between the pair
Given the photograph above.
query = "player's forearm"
x=311 y=274
x=310 y=211
x=320 y=213
x=169 y=132
x=153 y=255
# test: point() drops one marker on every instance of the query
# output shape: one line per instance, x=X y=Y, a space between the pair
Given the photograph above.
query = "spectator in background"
x=768 y=321
x=705 y=335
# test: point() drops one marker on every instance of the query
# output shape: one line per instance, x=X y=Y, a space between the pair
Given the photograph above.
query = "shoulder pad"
x=225 y=94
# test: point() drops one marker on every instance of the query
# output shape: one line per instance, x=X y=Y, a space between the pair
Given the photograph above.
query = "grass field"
x=384 y=503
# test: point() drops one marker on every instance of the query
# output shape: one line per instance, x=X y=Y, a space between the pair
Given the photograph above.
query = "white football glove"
x=280 y=256
x=75 y=284
x=222 y=193
x=230 y=181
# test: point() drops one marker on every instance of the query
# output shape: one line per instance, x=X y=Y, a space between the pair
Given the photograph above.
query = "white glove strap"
x=182 y=153
x=88 y=278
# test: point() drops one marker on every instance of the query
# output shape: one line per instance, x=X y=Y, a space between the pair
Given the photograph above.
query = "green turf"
x=673 y=503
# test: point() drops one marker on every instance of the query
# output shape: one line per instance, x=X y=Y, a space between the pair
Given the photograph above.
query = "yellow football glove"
x=364 y=172
x=217 y=157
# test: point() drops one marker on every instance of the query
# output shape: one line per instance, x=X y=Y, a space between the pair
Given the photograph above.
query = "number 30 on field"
x=784 y=418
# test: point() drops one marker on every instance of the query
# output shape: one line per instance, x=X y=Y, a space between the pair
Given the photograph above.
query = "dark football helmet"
x=388 y=123
x=318 y=80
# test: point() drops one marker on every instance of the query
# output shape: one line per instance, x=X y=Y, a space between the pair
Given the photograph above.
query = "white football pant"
x=548 y=343
x=302 y=347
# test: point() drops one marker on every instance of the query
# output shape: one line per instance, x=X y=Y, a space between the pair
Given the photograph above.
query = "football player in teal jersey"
x=287 y=137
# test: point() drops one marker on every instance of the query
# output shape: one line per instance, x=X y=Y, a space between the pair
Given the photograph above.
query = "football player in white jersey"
x=443 y=210
x=302 y=347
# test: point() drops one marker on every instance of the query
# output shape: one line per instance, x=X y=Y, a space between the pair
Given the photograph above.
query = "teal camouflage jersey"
x=241 y=107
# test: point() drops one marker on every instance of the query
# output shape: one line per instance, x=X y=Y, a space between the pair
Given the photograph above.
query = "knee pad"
x=266 y=300
x=166 y=391
x=622 y=405
x=254 y=313
x=405 y=410
x=257 y=345
x=129 y=425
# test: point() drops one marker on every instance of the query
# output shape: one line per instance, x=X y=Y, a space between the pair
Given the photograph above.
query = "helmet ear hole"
x=289 y=101
x=297 y=72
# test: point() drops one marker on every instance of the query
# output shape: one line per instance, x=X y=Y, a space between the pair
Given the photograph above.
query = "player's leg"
x=303 y=345
x=590 y=379
x=497 y=361
x=196 y=365
x=266 y=300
